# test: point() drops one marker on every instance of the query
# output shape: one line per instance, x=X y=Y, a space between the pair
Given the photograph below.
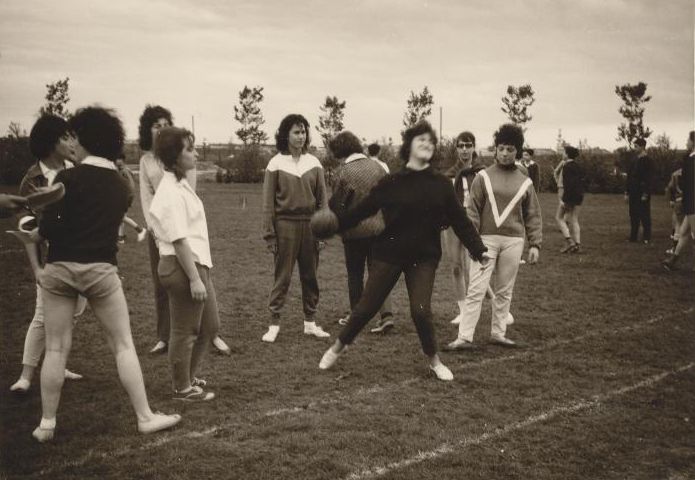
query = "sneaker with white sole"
x=20 y=386
x=456 y=320
x=330 y=357
x=159 y=347
x=43 y=434
x=198 y=382
x=442 y=372
x=158 y=422
x=344 y=320
x=72 y=375
x=310 y=328
x=383 y=326
x=271 y=334
x=142 y=234
x=195 y=394
x=503 y=341
x=459 y=345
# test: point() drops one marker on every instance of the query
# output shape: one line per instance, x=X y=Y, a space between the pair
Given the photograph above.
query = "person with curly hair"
x=178 y=220
x=504 y=208
x=417 y=204
x=294 y=188
x=82 y=231
x=52 y=143
x=152 y=120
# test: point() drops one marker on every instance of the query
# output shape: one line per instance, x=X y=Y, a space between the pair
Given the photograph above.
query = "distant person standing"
x=294 y=187
x=534 y=172
x=674 y=196
x=570 y=201
x=687 y=184
x=373 y=151
x=638 y=192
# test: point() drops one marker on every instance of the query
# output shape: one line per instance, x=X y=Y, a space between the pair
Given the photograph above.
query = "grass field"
x=605 y=389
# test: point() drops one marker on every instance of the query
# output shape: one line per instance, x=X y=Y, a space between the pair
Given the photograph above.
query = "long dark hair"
x=419 y=128
x=283 y=133
x=148 y=118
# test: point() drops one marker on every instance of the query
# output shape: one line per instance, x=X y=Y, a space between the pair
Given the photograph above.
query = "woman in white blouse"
x=177 y=218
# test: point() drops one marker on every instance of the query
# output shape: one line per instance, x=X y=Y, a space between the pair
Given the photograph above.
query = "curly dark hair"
x=419 y=128
x=45 y=135
x=345 y=144
x=373 y=149
x=99 y=131
x=148 y=118
x=170 y=143
x=510 y=134
x=530 y=151
x=571 y=152
x=283 y=133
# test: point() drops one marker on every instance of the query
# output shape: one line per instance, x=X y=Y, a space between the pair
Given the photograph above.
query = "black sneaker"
x=383 y=326
x=195 y=394
x=670 y=263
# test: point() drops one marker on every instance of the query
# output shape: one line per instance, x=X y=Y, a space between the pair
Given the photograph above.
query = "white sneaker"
x=272 y=333
x=344 y=321
x=329 y=358
x=72 y=375
x=310 y=328
x=43 y=434
x=442 y=372
x=21 y=386
x=142 y=235
x=456 y=320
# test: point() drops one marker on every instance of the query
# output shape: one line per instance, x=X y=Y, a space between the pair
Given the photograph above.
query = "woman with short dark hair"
x=417 y=204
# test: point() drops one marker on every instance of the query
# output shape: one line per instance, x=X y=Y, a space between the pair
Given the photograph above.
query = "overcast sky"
x=194 y=56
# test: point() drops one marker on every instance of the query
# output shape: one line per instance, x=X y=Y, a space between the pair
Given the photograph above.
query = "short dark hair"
x=571 y=152
x=640 y=142
x=99 y=131
x=148 y=118
x=345 y=144
x=530 y=151
x=466 y=137
x=373 y=149
x=170 y=143
x=419 y=128
x=510 y=134
x=283 y=133
x=45 y=135
x=691 y=135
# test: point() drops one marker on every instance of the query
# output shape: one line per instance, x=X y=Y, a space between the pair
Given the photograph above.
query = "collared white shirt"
x=50 y=173
x=99 y=162
x=177 y=212
x=383 y=164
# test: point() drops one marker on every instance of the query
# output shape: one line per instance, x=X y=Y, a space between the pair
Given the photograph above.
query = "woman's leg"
x=455 y=253
x=58 y=326
x=34 y=345
x=308 y=263
x=419 y=280
x=356 y=252
x=573 y=214
x=506 y=271
x=209 y=323
x=288 y=244
x=160 y=295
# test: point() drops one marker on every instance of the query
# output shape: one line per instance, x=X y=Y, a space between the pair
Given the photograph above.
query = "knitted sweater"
x=417 y=206
x=83 y=226
x=503 y=202
x=355 y=178
x=292 y=190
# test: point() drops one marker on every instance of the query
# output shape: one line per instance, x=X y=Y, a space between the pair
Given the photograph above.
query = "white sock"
x=47 y=424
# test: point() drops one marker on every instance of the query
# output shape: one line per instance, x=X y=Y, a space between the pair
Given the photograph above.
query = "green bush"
x=248 y=164
x=15 y=159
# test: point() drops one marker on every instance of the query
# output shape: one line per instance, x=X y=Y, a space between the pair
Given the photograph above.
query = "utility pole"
x=440 y=125
x=193 y=125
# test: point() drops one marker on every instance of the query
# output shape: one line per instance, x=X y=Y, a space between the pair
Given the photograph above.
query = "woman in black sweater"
x=417 y=205
x=82 y=231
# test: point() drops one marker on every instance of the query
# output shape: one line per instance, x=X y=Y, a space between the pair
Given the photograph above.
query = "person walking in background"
x=417 y=204
x=534 y=171
x=178 y=221
x=373 y=151
x=82 y=231
x=294 y=188
x=51 y=142
x=153 y=119
x=674 y=196
x=687 y=185
x=638 y=192
x=570 y=201
x=356 y=176
x=127 y=176
x=504 y=208
x=461 y=175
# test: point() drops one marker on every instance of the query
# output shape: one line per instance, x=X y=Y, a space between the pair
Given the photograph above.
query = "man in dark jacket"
x=534 y=172
x=638 y=192
x=687 y=185
x=572 y=198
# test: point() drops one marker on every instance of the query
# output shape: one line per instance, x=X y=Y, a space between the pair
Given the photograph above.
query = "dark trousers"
x=161 y=299
x=640 y=213
x=296 y=244
x=193 y=324
x=419 y=280
x=357 y=256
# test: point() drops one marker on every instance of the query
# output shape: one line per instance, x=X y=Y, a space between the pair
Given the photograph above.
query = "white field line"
x=480 y=363
x=170 y=437
x=457 y=447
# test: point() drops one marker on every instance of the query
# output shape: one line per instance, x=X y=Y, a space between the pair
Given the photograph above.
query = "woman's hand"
x=198 y=291
x=484 y=258
x=533 y=254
